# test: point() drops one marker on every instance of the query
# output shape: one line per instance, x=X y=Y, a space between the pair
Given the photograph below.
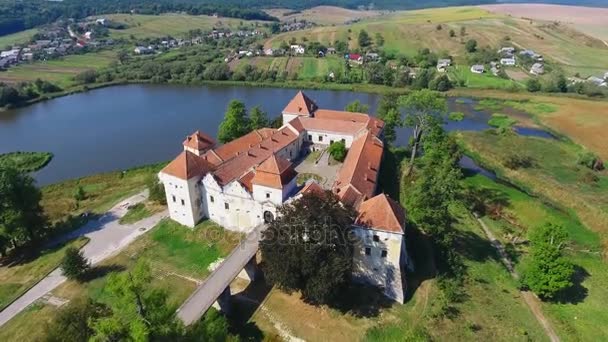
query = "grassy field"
x=141 y=211
x=322 y=15
x=178 y=255
x=26 y=161
x=582 y=317
x=554 y=174
x=486 y=80
x=17 y=276
x=58 y=71
x=149 y=26
x=408 y=31
x=16 y=38
x=102 y=191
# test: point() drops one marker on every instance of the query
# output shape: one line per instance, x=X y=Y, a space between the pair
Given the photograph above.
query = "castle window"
x=309 y=137
x=320 y=138
x=268 y=195
x=211 y=199
x=226 y=206
x=173 y=196
x=376 y=238
x=384 y=254
x=183 y=202
x=368 y=251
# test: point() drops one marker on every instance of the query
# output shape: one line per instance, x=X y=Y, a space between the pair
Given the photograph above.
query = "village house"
x=537 y=69
x=332 y=51
x=240 y=185
x=508 y=61
x=297 y=49
x=600 y=82
x=507 y=51
x=354 y=58
x=478 y=69
x=372 y=56
x=443 y=64
x=142 y=50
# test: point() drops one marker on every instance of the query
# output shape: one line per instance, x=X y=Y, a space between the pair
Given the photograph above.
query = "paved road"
x=530 y=299
x=107 y=237
x=207 y=293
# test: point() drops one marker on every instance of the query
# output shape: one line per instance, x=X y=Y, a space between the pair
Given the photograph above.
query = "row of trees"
x=15 y=95
x=135 y=311
x=237 y=122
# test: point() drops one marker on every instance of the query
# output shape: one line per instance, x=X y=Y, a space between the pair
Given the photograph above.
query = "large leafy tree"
x=308 y=247
x=71 y=322
x=364 y=39
x=258 y=118
x=139 y=311
x=356 y=107
x=21 y=217
x=388 y=111
x=235 y=124
x=547 y=272
x=422 y=107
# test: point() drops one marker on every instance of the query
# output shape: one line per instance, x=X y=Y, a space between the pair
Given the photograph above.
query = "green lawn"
x=19 y=275
x=26 y=161
x=583 y=316
x=140 y=211
x=486 y=80
x=16 y=38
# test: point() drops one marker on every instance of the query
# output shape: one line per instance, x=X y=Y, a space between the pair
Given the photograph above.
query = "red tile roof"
x=361 y=166
x=242 y=144
x=187 y=165
x=373 y=124
x=199 y=141
x=300 y=105
x=312 y=187
x=381 y=213
x=274 y=172
x=337 y=126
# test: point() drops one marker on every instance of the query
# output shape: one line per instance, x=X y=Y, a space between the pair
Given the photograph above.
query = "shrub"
x=456 y=116
x=590 y=160
x=79 y=193
x=156 y=189
x=533 y=85
x=337 y=150
x=517 y=161
x=74 y=265
x=501 y=121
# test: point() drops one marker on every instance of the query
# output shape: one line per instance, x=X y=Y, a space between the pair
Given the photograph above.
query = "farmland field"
x=406 y=32
x=16 y=38
x=149 y=26
x=58 y=71
x=322 y=15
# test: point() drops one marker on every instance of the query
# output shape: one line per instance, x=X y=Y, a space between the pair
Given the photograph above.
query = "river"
x=121 y=127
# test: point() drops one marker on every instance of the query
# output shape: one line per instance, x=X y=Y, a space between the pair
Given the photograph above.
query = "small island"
x=26 y=161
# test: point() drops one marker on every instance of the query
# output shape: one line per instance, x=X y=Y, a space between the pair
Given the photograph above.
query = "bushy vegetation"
x=74 y=265
x=517 y=160
x=456 y=116
x=501 y=121
x=18 y=94
x=337 y=151
x=26 y=161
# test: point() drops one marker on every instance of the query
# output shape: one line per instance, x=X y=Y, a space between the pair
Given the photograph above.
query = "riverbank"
x=26 y=161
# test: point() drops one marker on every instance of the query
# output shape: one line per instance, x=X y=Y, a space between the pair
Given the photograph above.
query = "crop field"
x=58 y=71
x=589 y=20
x=407 y=32
x=322 y=15
x=149 y=26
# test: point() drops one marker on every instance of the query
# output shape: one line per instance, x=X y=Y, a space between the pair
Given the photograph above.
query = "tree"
x=79 y=193
x=337 y=150
x=139 y=312
x=156 y=190
x=471 y=45
x=235 y=124
x=533 y=85
x=421 y=106
x=212 y=327
x=71 y=322
x=364 y=39
x=547 y=273
x=388 y=111
x=74 y=265
x=258 y=118
x=463 y=31
x=452 y=34
x=309 y=247
x=379 y=39
x=21 y=217
x=356 y=107
x=441 y=83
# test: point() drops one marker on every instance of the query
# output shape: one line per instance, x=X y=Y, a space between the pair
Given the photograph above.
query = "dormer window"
x=376 y=238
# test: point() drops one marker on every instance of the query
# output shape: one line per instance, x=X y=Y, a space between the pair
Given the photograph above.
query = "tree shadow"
x=485 y=201
x=473 y=247
x=422 y=255
x=577 y=292
x=102 y=271
x=361 y=300
x=244 y=305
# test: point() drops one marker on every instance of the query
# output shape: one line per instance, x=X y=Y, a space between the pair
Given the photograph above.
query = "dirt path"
x=530 y=299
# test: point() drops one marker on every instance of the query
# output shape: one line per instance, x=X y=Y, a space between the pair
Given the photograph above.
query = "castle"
x=240 y=185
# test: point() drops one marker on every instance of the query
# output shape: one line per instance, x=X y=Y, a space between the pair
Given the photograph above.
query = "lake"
x=121 y=127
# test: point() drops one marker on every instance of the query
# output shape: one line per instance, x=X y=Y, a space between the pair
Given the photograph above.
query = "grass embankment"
x=581 y=316
x=102 y=191
x=141 y=211
x=20 y=275
x=26 y=161
x=178 y=255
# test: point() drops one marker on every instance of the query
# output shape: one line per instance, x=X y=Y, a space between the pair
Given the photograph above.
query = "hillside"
x=405 y=32
x=322 y=15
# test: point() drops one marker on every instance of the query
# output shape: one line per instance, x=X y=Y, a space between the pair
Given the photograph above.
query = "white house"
x=606 y=76
x=241 y=184
x=443 y=64
x=142 y=50
x=297 y=49
x=597 y=81
x=508 y=61
x=478 y=69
